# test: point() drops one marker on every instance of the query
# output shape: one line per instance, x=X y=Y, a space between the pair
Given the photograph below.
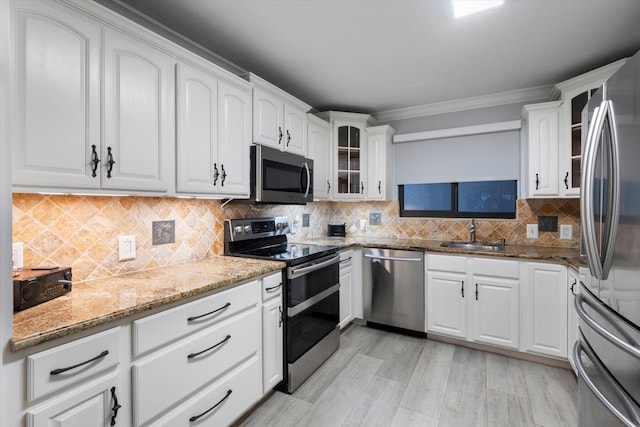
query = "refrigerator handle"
x=587 y=205
x=630 y=346
x=614 y=190
x=627 y=402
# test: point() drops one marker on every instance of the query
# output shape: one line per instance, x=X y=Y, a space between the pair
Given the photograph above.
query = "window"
x=480 y=199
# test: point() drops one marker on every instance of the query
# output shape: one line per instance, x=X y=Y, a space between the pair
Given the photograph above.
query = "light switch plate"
x=532 y=231
x=18 y=255
x=126 y=248
x=566 y=232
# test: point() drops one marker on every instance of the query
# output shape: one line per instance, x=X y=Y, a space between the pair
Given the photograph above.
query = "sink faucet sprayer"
x=472 y=231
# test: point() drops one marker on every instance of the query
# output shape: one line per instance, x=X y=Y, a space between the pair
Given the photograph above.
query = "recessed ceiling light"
x=467 y=7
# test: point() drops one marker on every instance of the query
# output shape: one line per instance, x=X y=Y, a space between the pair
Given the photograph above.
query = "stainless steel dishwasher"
x=393 y=288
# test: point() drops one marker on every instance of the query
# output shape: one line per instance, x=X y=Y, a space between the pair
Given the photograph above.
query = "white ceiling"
x=372 y=56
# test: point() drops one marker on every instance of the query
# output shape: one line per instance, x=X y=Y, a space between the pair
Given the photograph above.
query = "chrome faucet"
x=472 y=231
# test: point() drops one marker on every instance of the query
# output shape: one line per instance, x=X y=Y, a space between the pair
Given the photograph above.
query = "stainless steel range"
x=311 y=292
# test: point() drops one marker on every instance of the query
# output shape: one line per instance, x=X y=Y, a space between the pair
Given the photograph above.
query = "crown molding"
x=460 y=131
x=493 y=100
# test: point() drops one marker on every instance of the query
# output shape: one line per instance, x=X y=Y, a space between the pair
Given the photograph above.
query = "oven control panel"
x=254 y=228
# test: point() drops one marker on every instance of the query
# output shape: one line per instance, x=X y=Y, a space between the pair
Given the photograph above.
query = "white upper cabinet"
x=542 y=149
x=319 y=137
x=379 y=163
x=137 y=150
x=234 y=138
x=214 y=134
x=279 y=120
x=575 y=93
x=57 y=75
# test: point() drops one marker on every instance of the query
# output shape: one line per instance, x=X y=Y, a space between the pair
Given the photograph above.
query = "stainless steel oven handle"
x=293 y=272
x=292 y=311
x=630 y=346
x=393 y=258
x=627 y=402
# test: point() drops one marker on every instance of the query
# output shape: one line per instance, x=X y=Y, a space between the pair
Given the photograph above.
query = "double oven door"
x=312 y=301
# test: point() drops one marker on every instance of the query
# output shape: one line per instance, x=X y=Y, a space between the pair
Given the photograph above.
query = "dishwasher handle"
x=393 y=258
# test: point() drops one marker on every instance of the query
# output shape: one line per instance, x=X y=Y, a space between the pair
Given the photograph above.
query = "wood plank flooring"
x=380 y=378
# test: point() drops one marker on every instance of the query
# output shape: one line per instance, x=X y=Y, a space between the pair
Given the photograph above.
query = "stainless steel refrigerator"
x=607 y=353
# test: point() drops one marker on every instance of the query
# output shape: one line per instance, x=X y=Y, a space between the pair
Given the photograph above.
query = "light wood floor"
x=379 y=378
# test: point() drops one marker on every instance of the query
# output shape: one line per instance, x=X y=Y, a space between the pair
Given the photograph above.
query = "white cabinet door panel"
x=447 y=303
x=272 y=344
x=267 y=119
x=58 y=97
x=496 y=311
x=295 y=124
x=137 y=127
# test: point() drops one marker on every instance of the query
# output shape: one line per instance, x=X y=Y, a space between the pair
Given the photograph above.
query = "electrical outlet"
x=305 y=220
x=566 y=232
x=126 y=248
x=532 y=231
x=363 y=224
x=18 y=255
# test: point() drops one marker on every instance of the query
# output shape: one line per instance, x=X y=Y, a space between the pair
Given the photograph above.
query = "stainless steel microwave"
x=280 y=177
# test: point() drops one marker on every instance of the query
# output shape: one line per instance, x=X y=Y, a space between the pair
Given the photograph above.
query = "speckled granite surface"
x=97 y=302
x=567 y=256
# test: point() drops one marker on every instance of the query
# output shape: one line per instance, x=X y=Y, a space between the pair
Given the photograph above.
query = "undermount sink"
x=473 y=246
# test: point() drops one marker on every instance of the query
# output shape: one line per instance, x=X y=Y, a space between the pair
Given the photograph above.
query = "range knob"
x=247 y=228
x=237 y=229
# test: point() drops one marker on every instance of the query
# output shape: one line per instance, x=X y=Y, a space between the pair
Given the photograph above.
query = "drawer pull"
x=61 y=370
x=273 y=287
x=197 y=417
x=192 y=355
x=192 y=318
x=116 y=406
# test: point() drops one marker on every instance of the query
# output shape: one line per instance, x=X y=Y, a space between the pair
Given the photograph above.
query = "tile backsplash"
x=82 y=231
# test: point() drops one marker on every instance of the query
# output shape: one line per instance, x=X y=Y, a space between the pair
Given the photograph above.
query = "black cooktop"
x=291 y=253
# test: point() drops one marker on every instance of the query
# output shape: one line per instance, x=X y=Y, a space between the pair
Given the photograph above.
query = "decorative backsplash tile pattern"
x=82 y=231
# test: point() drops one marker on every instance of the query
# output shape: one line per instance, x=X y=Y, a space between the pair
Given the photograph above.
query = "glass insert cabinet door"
x=350 y=180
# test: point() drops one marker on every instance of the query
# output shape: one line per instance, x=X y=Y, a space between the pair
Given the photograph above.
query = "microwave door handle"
x=587 y=205
x=613 y=203
x=581 y=346
x=306 y=167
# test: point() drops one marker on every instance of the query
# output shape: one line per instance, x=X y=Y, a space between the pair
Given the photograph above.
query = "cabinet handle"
x=379 y=187
x=93 y=359
x=279 y=135
x=361 y=187
x=573 y=287
x=537 y=182
x=192 y=355
x=197 y=417
x=281 y=317
x=476 y=292
x=273 y=287
x=216 y=174
x=566 y=181
x=288 y=137
x=110 y=162
x=192 y=318
x=328 y=186
x=95 y=160
x=462 y=289
x=116 y=406
x=224 y=175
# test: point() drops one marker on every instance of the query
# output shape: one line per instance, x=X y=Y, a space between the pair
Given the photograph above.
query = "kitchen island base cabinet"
x=92 y=405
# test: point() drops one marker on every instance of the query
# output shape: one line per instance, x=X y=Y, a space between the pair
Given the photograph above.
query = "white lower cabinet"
x=573 y=285
x=92 y=404
x=545 y=309
x=272 y=332
x=173 y=374
x=476 y=299
x=346 y=288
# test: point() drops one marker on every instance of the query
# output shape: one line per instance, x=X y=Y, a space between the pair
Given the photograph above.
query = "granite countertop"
x=97 y=302
x=567 y=256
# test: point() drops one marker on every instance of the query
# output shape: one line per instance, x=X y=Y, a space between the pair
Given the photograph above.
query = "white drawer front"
x=159 y=329
x=171 y=375
x=496 y=267
x=47 y=371
x=272 y=286
x=232 y=395
x=452 y=263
